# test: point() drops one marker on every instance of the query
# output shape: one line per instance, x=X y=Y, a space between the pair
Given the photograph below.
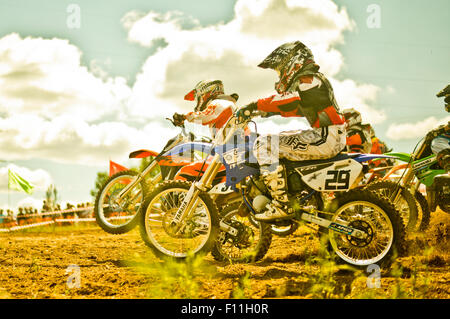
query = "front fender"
x=404 y=157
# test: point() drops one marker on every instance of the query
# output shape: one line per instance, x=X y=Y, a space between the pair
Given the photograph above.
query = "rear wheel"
x=380 y=222
x=114 y=214
x=251 y=242
x=197 y=233
x=405 y=204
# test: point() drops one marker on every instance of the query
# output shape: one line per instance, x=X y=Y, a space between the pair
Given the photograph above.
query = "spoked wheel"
x=406 y=204
x=116 y=214
x=197 y=232
x=383 y=229
x=251 y=242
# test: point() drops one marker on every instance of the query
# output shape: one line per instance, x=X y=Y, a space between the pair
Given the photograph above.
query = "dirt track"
x=35 y=265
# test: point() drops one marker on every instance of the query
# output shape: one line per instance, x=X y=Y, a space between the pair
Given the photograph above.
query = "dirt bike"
x=118 y=203
x=120 y=197
x=420 y=167
x=405 y=202
x=179 y=218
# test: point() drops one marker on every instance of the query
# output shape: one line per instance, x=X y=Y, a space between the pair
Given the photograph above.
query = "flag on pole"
x=115 y=168
x=18 y=183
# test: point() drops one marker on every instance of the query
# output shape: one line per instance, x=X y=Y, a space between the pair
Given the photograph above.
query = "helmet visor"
x=190 y=96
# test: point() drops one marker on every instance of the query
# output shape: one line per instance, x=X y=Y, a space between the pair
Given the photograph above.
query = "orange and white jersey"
x=216 y=113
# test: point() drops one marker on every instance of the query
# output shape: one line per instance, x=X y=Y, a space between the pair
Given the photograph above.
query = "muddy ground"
x=85 y=262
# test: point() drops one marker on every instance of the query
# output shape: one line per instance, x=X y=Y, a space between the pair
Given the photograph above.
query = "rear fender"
x=404 y=157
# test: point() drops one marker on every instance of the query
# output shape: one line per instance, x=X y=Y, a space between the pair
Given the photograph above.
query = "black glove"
x=178 y=119
x=244 y=112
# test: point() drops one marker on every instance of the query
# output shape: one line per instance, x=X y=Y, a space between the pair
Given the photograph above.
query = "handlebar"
x=181 y=124
x=191 y=135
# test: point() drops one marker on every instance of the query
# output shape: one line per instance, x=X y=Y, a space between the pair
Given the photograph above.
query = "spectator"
x=12 y=220
x=21 y=218
x=2 y=218
x=58 y=215
x=36 y=215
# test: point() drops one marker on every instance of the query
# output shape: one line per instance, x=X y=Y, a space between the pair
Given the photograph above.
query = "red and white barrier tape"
x=57 y=220
x=62 y=211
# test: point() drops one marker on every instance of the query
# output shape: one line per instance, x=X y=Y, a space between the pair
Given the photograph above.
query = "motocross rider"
x=213 y=107
x=378 y=147
x=358 y=138
x=302 y=91
x=440 y=144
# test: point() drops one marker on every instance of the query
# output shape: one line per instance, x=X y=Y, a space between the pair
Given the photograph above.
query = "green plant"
x=173 y=279
x=242 y=286
x=332 y=279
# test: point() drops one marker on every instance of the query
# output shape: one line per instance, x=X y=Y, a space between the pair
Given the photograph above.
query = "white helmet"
x=203 y=92
x=352 y=117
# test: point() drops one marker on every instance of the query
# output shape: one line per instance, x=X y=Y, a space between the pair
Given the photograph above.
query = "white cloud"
x=366 y=93
x=72 y=140
x=53 y=107
x=45 y=77
x=231 y=51
x=29 y=202
x=39 y=178
x=408 y=131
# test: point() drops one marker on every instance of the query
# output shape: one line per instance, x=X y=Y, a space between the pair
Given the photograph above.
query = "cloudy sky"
x=85 y=82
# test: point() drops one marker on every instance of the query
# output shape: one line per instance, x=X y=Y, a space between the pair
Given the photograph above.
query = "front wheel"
x=377 y=218
x=251 y=242
x=115 y=214
x=405 y=204
x=198 y=231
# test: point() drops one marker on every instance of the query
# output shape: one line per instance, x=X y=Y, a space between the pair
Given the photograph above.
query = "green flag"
x=18 y=183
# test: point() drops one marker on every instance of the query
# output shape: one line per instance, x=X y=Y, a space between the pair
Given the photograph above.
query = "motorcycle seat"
x=339 y=157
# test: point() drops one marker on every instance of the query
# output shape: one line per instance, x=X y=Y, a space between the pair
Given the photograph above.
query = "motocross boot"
x=278 y=208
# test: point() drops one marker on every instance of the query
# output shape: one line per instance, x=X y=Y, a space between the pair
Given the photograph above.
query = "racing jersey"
x=311 y=98
x=216 y=113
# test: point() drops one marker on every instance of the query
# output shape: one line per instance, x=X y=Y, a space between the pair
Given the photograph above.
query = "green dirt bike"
x=420 y=167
